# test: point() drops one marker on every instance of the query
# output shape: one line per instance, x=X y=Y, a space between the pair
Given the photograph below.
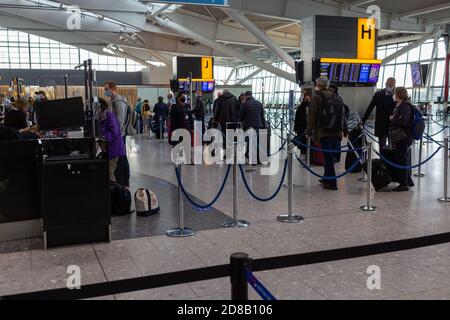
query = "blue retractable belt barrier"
x=244 y=179
x=263 y=292
x=199 y=206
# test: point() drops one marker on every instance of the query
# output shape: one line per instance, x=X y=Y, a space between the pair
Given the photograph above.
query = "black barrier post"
x=239 y=264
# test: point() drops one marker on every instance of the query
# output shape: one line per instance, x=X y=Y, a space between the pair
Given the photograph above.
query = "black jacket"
x=225 y=110
x=199 y=110
x=179 y=118
x=251 y=114
x=16 y=119
x=301 y=120
x=403 y=118
x=161 y=110
x=385 y=108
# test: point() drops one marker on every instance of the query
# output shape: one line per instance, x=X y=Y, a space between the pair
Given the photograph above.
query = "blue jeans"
x=330 y=171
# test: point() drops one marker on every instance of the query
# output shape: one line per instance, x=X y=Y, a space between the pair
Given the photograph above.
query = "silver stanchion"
x=236 y=223
x=369 y=207
x=364 y=156
x=181 y=231
x=428 y=128
x=308 y=152
x=161 y=129
x=420 y=174
x=446 y=198
x=290 y=217
x=282 y=129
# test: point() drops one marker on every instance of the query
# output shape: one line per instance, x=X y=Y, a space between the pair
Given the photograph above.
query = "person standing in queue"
x=110 y=131
x=301 y=119
x=329 y=139
x=120 y=108
x=199 y=109
x=400 y=133
x=139 y=117
x=252 y=116
x=179 y=117
x=384 y=102
x=335 y=90
x=161 y=113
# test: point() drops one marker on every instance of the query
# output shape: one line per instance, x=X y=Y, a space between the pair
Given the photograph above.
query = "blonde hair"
x=20 y=103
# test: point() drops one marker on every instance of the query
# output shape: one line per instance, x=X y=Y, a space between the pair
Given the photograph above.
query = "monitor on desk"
x=60 y=114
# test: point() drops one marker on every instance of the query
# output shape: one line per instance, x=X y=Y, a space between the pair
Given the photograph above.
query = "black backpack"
x=332 y=115
x=120 y=201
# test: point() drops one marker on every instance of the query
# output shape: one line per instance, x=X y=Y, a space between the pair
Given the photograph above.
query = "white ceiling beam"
x=182 y=30
x=357 y=3
x=261 y=36
x=438 y=31
x=424 y=10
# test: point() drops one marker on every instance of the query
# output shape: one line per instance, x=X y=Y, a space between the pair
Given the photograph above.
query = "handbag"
x=397 y=135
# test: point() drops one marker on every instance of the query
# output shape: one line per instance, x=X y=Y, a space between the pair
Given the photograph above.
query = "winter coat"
x=110 y=131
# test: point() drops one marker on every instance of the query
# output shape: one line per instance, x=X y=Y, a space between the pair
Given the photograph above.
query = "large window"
x=401 y=70
x=20 y=50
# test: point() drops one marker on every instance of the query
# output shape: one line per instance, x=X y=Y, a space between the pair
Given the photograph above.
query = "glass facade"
x=20 y=50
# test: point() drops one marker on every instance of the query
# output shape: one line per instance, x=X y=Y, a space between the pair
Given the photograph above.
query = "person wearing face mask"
x=110 y=131
x=401 y=137
x=179 y=117
x=119 y=106
x=383 y=101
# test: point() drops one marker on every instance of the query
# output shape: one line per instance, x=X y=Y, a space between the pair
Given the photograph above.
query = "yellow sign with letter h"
x=367 y=35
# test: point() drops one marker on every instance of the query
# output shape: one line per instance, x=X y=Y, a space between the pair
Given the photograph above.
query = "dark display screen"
x=60 y=114
x=350 y=73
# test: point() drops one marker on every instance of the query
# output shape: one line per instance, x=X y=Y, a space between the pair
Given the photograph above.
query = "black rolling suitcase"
x=381 y=175
x=389 y=154
x=355 y=141
x=120 y=201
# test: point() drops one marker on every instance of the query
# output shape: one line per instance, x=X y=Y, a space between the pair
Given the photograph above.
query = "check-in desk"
x=64 y=199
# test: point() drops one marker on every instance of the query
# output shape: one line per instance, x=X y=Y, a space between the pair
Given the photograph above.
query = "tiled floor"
x=332 y=220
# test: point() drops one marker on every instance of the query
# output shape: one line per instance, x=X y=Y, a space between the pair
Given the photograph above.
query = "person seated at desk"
x=16 y=118
x=110 y=131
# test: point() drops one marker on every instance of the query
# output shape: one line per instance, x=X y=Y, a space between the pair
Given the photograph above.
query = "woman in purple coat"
x=110 y=131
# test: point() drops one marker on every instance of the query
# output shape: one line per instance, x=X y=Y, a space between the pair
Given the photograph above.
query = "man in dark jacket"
x=161 y=111
x=199 y=110
x=225 y=110
x=251 y=113
x=327 y=139
x=384 y=102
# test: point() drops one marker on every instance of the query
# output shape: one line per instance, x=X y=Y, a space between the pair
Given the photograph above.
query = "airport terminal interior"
x=224 y=150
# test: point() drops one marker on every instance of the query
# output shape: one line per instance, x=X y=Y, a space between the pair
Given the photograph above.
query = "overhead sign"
x=367 y=35
x=199 y=2
x=207 y=68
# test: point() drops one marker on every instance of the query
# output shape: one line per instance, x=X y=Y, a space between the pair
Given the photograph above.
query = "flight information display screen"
x=350 y=74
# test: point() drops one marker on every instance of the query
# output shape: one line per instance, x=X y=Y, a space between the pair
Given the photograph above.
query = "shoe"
x=401 y=189
x=330 y=187
x=323 y=182
x=411 y=184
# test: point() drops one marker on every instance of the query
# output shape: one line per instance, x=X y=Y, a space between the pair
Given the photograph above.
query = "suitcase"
x=389 y=154
x=317 y=157
x=381 y=174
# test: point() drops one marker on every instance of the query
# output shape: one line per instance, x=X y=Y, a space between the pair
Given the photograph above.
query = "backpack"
x=147 y=203
x=130 y=119
x=120 y=201
x=418 y=124
x=332 y=115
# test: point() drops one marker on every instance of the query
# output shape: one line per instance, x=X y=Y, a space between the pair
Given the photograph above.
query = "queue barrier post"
x=161 y=129
x=290 y=217
x=181 y=231
x=364 y=155
x=368 y=207
x=446 y=198
x=235 y=223
x=428 y=128
x=308 y=152
x=420 y=174
x=239 y=264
